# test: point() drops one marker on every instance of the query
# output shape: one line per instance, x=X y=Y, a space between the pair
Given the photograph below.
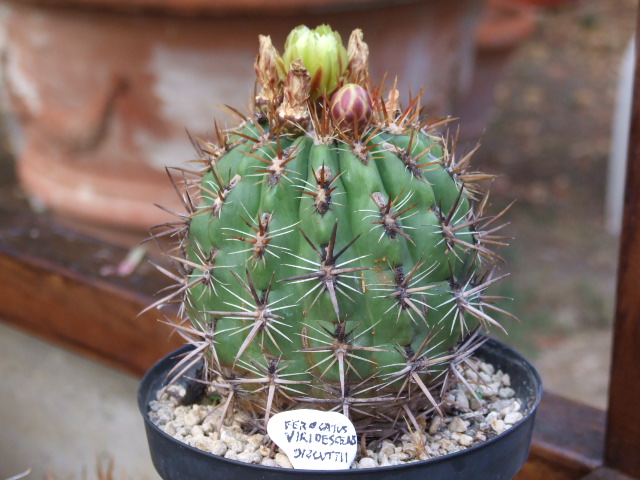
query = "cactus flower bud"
x=351 y=108
x=322 y=54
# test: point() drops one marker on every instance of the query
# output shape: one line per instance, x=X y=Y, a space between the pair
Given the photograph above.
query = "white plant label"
x=315 y=440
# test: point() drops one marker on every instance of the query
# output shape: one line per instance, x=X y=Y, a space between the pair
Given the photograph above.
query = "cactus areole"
x=335 y=250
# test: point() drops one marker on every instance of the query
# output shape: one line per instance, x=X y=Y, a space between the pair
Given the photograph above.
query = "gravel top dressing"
x=467 y=420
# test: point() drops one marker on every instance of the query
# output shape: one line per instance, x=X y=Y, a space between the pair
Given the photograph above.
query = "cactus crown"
x=335 y=250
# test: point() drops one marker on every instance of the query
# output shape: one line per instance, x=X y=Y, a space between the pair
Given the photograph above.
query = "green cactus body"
x=334 y=268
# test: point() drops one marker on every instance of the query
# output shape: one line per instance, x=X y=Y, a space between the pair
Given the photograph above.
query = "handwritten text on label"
x=315 y=440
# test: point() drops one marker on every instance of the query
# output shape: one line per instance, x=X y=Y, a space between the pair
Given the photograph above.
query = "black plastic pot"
x=498 y=458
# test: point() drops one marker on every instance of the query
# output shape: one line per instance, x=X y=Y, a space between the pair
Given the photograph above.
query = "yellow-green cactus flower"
x=322 y=54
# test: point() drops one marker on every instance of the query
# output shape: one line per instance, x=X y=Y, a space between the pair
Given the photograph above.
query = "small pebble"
x=513 y=417
x=435 y=424
x=465 y=440
x=269 y=462
x=208 y=426
x=403 y=456
x=170 y=429
x=461 y=400
x=491 y=417
x=471 y=375
x=283 y=461
x=458 y=425
x=264 y=450
x=424 y=456
x=487 y=368
x=254 y=442
x=249 y=457
x=475 y=404
x=202 y=442
x=231 y=455
x=487 y=390
x=387 y=449
x=235 y=445
x=367 y=462
x=218 y=447
x=394 y=460
x=506 y=392
x=506 y=409
x=447 y=445
x=498 y=426
x=191 y=419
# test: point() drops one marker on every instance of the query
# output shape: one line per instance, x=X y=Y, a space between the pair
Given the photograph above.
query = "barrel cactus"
x=335 y=249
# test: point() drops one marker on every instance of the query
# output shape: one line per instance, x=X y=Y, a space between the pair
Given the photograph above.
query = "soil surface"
x=478 y=409
x=549 y=138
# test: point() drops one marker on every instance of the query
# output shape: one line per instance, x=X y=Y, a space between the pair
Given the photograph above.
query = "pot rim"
x=495 y=344
x=219 y=8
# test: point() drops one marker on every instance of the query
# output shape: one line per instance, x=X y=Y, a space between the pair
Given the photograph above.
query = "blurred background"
x=96 y=95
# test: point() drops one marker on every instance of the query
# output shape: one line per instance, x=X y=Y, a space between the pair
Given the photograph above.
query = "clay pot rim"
x=218 y=8
x=505 y=24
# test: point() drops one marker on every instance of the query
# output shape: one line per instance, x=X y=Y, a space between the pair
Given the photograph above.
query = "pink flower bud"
x=351 y=108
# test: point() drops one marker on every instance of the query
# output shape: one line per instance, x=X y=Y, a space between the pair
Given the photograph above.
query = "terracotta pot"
x=503 y=27
x=103 y=90
x=504 y=24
